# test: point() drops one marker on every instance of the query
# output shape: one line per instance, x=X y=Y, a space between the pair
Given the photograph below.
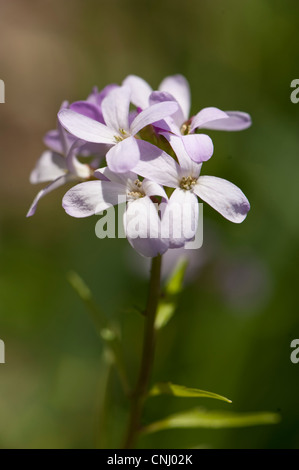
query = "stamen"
x=136 y=192
x=138 y=183
x=187 y=182
x=185 y=128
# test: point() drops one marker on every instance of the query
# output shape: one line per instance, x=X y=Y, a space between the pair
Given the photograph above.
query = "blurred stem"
x=108 y=334
x=140 y=392
x=104 y=406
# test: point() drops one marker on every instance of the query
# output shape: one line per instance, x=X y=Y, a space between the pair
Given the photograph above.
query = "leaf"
x=134 y=310
x=200 y=418
x=164 y=313
x=79 y=286
x=175 y=282
x=181 y=391
x=173 y=287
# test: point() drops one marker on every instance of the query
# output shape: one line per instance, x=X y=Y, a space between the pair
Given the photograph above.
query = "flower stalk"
x=139 y=394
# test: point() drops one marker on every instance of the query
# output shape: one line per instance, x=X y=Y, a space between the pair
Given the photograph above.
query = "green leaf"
x=79 y=286
x=175 y=282
x=181 y=391
x=173 y=287
x=200 y=418
x=164 y=313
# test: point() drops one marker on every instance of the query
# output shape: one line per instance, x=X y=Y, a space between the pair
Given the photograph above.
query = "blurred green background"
x=239 y=312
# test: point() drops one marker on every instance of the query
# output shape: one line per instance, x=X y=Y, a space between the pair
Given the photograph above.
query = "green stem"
x=140 y=392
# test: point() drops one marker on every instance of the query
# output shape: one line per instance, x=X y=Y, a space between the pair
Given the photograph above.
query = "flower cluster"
x=130 y=143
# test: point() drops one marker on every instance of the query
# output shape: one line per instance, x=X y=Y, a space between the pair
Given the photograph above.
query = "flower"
x=179 y=222
x=59 y=164
x=159 y=190
x=118 y=132
x=198 y=146
x=141 y=219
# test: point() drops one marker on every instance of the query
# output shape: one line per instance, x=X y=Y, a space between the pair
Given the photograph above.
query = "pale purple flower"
x=223 y=196
x=59 y=164
x=92 y=106
x=93 y=197
x=118 y=131
x=198 y=146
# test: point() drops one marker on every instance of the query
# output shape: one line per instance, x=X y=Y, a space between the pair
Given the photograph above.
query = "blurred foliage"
x=238 y=312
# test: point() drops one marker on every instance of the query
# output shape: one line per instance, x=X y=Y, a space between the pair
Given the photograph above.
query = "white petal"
x=74 y=166
x=157 y=165
x=180 y=217
x=170 y=124
x=49 y=167
x=178 y=86
x=153 y=189
x=187 y=166
x=140 y=90
x=124 y=156
x=152 y=114
x=115 y=108
x=224 y=197
x=61 y=180
x=85 y=128
x=92 y=197
x=122 y=178
x=143 y=229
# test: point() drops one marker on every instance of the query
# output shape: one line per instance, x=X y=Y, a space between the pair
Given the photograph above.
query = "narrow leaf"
x=175 y=283
x=199 y=418
x=181 y=391
x=173 y=287
x=164 y=313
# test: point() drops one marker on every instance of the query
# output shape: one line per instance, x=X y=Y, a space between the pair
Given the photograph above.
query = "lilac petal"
x=237 y=121
x=187 y=166
x=234 y=121
x=115 y=108
x=123 y=156
x=96 y=97
x=88 y=149
x=178 y=86
x=180 y=218
x=66 y=139
x=85 y=128
x=207 y=116
x=153 y=114
x=53 y=185
x=53 y=142
x=88 y=109
x=173 y=123
x=49 y=167
x=140 y=90
x=92 y=197
x=199 y=147
x=224 y=197
x=143 y=227
x=157 y=165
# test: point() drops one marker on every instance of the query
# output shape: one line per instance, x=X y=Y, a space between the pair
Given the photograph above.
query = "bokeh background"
x=239 y=311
